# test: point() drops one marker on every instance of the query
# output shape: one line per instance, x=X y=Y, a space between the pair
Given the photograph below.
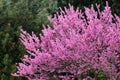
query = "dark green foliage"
x=14 y=15
x=114 y=4
x=116 y=7
x=101 y=76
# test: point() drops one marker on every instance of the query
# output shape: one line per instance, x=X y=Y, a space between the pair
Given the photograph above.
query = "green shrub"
x=14 y=15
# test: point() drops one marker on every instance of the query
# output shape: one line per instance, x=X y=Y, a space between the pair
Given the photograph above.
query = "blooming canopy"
x=80 y=42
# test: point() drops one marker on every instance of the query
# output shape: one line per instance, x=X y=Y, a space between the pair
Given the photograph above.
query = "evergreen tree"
x=14 y=15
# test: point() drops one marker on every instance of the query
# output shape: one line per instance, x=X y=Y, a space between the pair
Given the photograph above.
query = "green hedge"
x=14 y=15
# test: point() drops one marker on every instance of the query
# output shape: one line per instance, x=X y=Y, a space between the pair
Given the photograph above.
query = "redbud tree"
x=81 y=46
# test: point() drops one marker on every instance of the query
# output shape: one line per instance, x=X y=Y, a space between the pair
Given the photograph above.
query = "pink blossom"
x=75 y=46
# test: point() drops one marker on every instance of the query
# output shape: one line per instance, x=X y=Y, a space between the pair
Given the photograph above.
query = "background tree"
x=82 y=3
x=14 y=15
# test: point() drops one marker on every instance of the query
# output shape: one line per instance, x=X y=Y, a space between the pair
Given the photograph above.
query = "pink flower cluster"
x=79 y=43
